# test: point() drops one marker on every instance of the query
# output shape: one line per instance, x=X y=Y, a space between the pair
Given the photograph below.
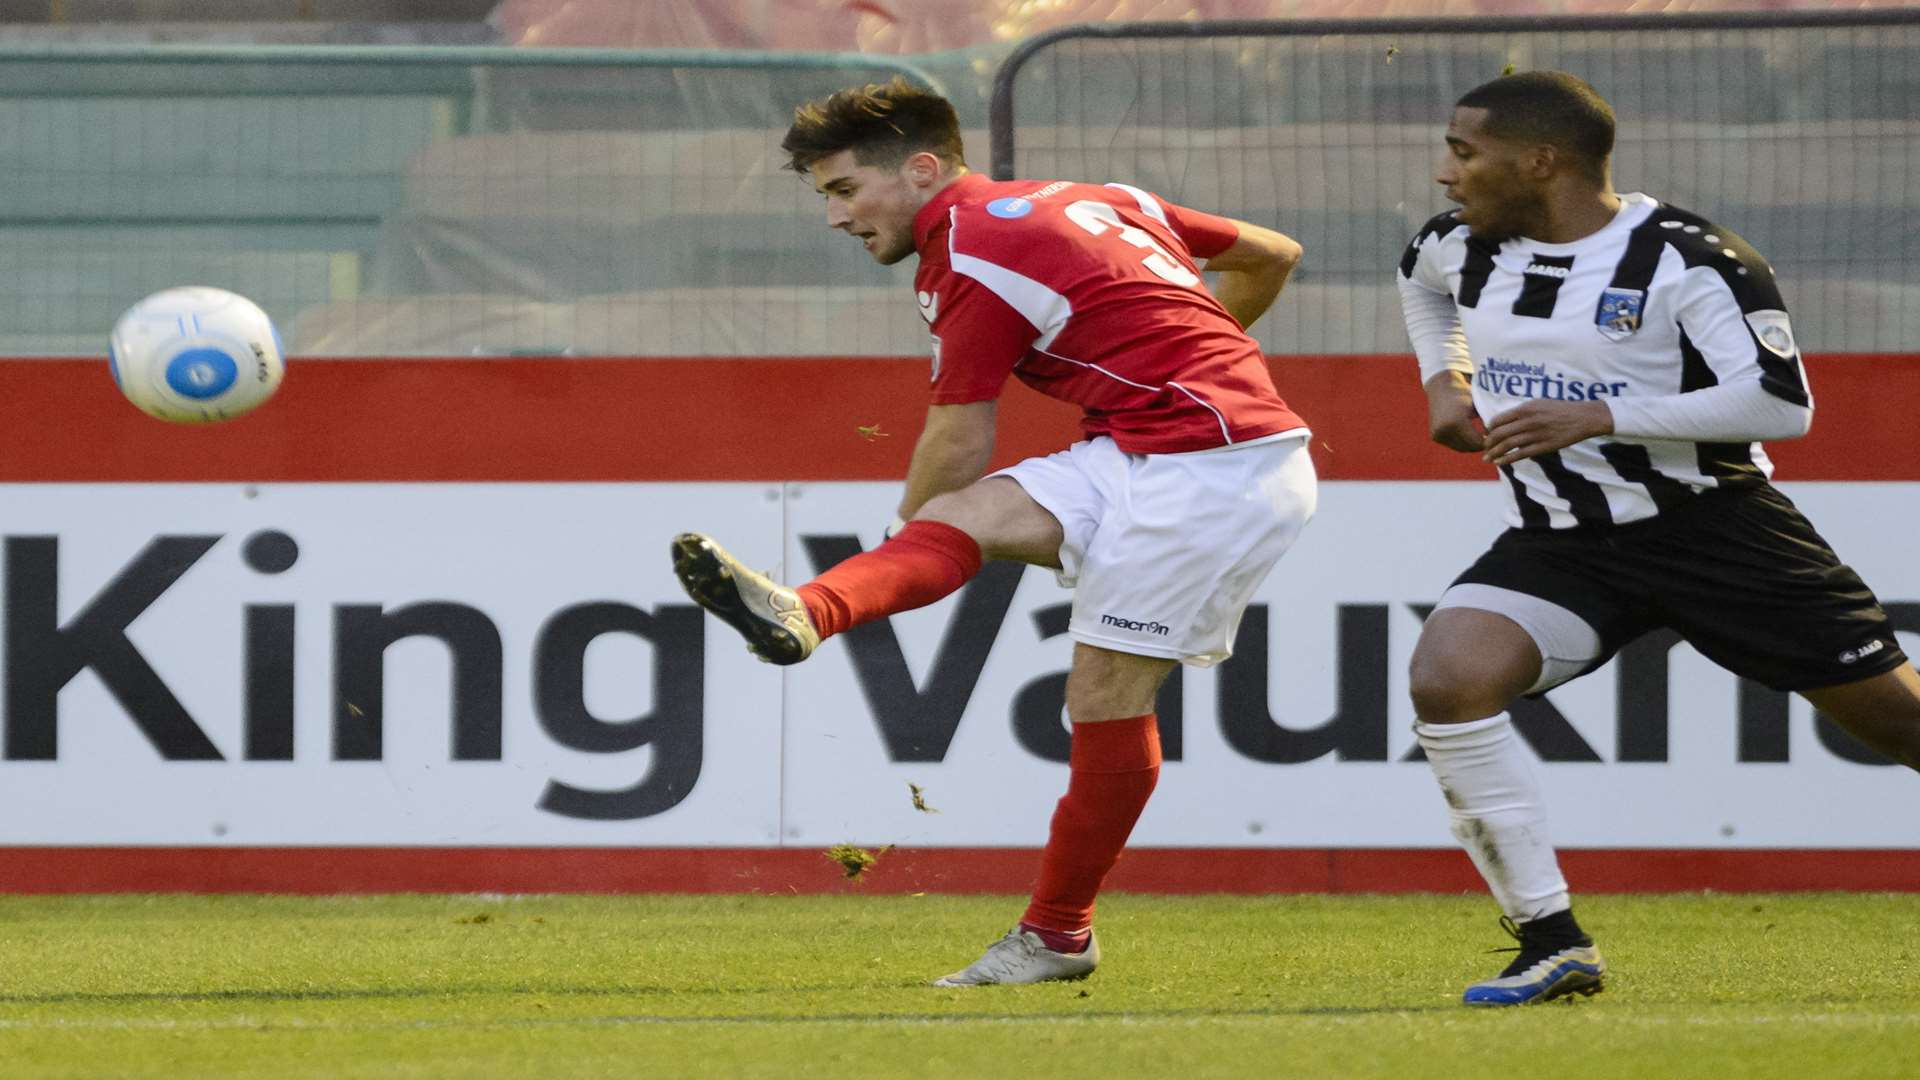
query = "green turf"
x=557 y=987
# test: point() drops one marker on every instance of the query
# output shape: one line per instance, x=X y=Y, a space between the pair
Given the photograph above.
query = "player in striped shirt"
x=1192 y=480
x=1619 y=361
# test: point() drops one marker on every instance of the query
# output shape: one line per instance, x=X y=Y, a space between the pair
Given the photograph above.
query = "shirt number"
x=1098 y=217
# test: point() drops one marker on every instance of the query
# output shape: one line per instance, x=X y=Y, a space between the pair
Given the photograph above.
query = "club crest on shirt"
x=1618 y=315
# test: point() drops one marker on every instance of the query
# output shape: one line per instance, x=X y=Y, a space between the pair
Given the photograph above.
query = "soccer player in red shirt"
x=1192 y=480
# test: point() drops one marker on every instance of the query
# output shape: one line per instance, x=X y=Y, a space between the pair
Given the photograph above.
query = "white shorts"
x=1164 y=551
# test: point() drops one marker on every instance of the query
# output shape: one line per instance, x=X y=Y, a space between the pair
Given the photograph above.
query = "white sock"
x=1487 y=776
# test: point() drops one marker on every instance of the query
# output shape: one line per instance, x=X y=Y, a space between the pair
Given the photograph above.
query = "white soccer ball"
x=196 y=355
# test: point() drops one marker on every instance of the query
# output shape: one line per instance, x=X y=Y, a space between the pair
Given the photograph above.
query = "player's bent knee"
x=1470 y=664
x=1002 y=518
x=954 y=508
x=1447 y=691
x=1454 y=701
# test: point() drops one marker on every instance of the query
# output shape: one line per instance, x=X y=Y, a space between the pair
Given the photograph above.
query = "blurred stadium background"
x=458 y=177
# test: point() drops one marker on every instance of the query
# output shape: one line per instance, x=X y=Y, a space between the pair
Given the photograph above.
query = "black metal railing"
x=1798 y=130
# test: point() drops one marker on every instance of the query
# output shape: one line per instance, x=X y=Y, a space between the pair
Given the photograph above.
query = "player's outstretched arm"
x=953 y=451
x=1253 y=270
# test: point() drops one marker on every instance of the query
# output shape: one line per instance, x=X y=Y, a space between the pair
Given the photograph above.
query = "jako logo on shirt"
x=1134 y=624
x=1010 y=208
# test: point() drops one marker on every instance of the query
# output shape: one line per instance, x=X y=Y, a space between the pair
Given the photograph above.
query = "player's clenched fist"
x=1451 y=420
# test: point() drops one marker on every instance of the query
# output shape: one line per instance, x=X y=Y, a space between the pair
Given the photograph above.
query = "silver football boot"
x=1021 y=958
x=769 y=615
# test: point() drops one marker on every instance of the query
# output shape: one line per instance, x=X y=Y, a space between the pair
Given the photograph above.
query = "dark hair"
x=1550 y=107
x=882 y=125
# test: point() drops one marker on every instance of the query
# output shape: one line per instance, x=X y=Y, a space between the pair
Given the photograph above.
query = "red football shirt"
x=1091 y=294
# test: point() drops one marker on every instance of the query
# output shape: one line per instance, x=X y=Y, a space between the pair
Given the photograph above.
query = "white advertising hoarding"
x=1305 y=742
x=513 y=664
x=551 y=686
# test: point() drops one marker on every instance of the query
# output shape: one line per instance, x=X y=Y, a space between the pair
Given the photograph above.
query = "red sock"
x=922 y=563
x=1114 y=766
x=1061 y=941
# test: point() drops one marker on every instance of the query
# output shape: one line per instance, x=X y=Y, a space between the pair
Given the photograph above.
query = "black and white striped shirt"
x=1674 y=323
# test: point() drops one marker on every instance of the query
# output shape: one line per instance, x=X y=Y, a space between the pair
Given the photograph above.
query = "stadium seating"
x=112 y=191
x=645 y=211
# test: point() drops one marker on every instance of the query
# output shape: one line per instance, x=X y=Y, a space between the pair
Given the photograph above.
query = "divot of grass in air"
x=855 y=860
x=919 y=798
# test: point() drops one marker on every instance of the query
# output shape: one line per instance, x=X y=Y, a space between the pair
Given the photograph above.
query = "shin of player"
x=1192 y=479
x=1619 y=361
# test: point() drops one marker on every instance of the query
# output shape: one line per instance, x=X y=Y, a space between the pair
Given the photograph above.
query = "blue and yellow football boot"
x=1556 y=959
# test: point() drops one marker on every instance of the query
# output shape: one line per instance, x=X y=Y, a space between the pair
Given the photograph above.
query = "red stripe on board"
x=936 y=870
x=561 y=419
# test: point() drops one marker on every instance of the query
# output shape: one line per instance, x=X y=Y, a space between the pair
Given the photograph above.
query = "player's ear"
x=922 y=169
x=1542 y=160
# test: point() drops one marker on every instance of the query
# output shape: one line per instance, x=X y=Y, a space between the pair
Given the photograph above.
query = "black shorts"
x=1739 y=573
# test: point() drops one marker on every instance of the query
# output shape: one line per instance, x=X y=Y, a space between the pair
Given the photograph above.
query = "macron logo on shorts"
x=1134 y=625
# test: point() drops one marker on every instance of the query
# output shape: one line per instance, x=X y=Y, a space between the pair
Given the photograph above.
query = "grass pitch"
x=1704 y=986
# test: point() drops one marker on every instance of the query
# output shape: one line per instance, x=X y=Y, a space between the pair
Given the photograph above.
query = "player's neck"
x=945 y=180
x=1578 y=216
